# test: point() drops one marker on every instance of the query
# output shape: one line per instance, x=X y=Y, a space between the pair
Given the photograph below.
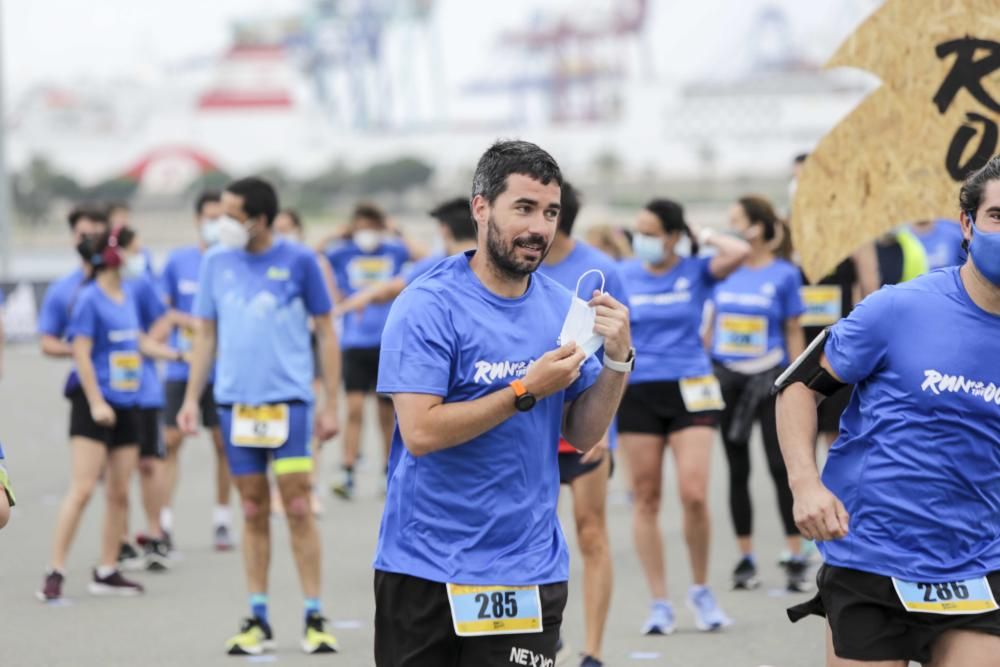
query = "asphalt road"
x=188 y=613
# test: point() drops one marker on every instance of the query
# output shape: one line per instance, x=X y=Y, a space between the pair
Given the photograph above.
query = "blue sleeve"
x=588 y=376
x=52 y=318
x=791 y=300
x=615 y=286
x=314 y=290
x=857 y=344
x=204 y=299
x=705 y=266
x=417 y=346
x=167 y=283
x=84 y=319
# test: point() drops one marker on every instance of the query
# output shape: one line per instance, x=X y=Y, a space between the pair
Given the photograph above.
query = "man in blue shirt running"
x=907 y=508
x=256 y=295
x=471 y=566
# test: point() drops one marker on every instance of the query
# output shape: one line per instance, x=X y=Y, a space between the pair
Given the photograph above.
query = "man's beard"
x=504 y=255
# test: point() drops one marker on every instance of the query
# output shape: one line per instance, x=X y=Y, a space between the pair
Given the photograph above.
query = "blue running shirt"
x=917 y=463
x=114 y=329
x=150 y=307
x=483 y=512
x=667 y=310
x=943 y=244
x=356 y=270
x=751 y=307
x=179 y=283
x=261 y=304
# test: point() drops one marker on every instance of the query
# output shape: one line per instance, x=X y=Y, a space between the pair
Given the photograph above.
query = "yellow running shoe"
x=253 y=639
x=317 y=639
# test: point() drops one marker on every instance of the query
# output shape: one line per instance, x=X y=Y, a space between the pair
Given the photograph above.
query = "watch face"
x=525 y=402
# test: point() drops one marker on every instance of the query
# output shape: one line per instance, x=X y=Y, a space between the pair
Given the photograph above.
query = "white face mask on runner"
x=579 y=323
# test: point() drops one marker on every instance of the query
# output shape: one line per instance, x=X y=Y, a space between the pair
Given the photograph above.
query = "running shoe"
x=591 y=661
x=129 y=559
x=344 y=490
x=317 y=639
x=797 y=573
x=254 y=638
x=156 y=555
x=661 y=619
x=708 y=615
x=745 y=575
x=52 y=587
x=114 y=584
x=222 y=540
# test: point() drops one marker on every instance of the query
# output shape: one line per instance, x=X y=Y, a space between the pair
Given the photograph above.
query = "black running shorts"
x=174 y=390
x=869 y=622
x=413 y=626
x=150 y=442
x=657 y=408
x=361 y=369
x=125 y=432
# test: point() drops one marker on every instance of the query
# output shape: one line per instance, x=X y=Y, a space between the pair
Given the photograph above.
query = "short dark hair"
x=671 y=217
x=206 y=197
x=761 y=212
x=512 y=157
x=87 y=210
x=970 y=197
x=259 y=197
x=800 y=158
x=112 y=206
x=456 y=215
x=294 y=215
x=369 y=211
x=569 y=207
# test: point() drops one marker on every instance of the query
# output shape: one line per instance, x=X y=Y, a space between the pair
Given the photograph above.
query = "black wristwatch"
x=524 y=400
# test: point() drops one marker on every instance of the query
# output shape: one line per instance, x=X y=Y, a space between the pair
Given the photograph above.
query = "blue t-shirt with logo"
x=179 y=284
x=150 y=308
x=667 y=310
x=583 y=258
x=114 y=329
x=917 y=462
x=751 y=307
x=261 y=304
x=943 y=244
x=483 y=512
x=57 y=305
x=420 y=267
x=355 y=270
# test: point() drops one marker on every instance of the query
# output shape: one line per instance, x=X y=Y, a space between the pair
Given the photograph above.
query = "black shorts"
x=361 y=369
x=124 y=433
x=657 y=408
x=869 y=622
x=174 y=390
x=150 y=440
x=571 y=466
x=413 y=626
x=829 y=410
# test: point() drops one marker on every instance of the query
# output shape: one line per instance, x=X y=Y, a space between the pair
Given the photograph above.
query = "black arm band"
x=807 y=370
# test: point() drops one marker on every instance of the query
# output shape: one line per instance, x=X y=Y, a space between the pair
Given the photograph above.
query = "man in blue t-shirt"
x=942 y=240
x=179 y=284
x=587 y=474
x=906 y=508
x=256 y=295
x=471 y=566
x=369 y=257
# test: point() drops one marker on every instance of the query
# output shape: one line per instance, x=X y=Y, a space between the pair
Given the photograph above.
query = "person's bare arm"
x=730 y=255
x=55 y=347
x=326 y=425
x=795 y=338
x=202 y=357
x=866 y=265
x=101 y=412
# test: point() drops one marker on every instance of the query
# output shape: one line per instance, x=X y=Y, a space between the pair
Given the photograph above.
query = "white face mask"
x=210 y=231
x=232 y=233
x=579 y=323
x=135 y=266
x=648 y=248
x=367 y=239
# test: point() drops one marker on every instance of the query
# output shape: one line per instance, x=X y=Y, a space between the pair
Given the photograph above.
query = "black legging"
x=738 y=454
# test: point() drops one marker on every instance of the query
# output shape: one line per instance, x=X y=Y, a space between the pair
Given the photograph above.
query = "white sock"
x=167 y=519
x=103 y=571
x=221 y=515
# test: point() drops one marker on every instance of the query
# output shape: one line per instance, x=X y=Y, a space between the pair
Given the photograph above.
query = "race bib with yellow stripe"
x=742 y=335
x=701 y=393
x=969 y=596
x=126 y=370
x=495 y=610
x=823 y=304
x=264 y=426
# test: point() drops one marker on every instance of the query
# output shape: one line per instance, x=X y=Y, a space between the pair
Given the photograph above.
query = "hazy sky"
x=61 y=40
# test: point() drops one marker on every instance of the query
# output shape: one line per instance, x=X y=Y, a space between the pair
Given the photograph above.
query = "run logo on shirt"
x=488 y=372
x=938 y=382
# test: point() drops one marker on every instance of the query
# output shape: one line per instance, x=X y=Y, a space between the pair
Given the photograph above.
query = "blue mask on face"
x=985 y=252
